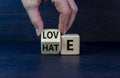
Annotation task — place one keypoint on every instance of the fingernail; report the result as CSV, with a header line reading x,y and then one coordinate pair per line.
x,y
38,31
64,32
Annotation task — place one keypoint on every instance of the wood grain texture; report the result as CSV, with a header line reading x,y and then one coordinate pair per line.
x,y
50,41
23,60
70,44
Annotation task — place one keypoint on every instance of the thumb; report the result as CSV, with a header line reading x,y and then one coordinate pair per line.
x,y
36,19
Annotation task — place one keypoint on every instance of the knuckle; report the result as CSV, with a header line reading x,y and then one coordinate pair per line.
x,y
75,9
54,1
31,4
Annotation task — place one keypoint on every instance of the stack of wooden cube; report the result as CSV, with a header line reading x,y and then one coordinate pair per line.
x,y
52,42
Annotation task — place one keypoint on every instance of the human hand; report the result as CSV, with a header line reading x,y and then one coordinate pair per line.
x,y
66,8
32,8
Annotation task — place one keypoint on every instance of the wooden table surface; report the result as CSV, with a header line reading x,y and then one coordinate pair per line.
x,y
23,60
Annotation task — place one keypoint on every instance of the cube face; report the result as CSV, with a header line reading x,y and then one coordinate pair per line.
x,y
70,44
50,48
50,35
50,41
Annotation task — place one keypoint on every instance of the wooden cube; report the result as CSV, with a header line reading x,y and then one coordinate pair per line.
x,y
50,41
70,44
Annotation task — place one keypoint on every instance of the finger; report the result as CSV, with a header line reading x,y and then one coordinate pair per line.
x,y
64,10
31,7
31,3
74,10
36,20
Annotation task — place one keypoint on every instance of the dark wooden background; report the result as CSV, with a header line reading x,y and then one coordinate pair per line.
x,y
96,21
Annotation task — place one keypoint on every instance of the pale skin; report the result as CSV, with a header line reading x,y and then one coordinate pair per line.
x,y
67,9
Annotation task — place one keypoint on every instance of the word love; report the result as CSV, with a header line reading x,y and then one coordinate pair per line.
x,y
50,35
53,43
